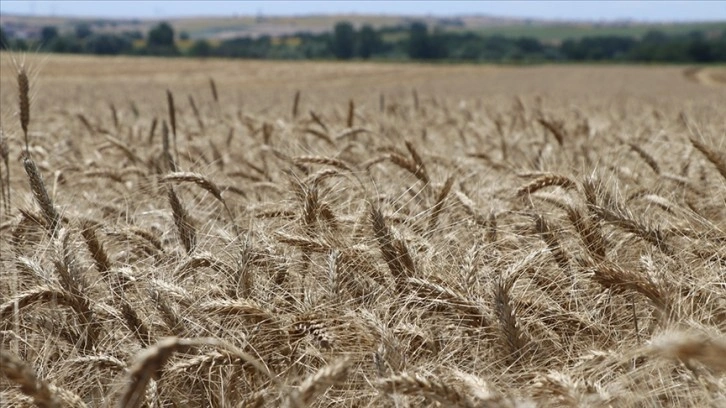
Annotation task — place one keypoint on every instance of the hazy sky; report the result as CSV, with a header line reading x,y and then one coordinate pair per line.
x,y
642,10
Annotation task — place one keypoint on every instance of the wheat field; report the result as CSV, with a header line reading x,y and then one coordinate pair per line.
x,y
186,233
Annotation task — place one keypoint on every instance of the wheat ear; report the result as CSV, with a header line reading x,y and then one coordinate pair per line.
x,y
351,113
295,104
52,218
24,102
44,395
512,335
213,87
150,362
713,156
184,225
394,252
312,386
689,347
439,206
434,388
206,184
546,181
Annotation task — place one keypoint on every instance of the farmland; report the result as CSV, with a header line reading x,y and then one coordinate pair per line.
x,y
180,232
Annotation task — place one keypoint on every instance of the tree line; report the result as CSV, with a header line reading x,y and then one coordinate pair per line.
x,y
412,42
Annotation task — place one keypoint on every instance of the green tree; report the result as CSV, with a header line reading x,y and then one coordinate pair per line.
x,y
718,47
48,34
107,44
83,31
160,41
20,45
3,39
161,36
655,37
571,50
529,45
200,48
369,42
700,51
65,44
418,41
133,35
343,40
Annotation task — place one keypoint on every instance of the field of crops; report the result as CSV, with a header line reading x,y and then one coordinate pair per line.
x,y
188,233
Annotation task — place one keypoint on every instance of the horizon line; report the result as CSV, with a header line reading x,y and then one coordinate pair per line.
x,y
380,14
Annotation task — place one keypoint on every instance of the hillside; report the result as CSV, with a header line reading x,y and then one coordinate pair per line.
x,y
255,26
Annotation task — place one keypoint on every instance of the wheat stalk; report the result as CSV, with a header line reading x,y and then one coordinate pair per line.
x,y
5,178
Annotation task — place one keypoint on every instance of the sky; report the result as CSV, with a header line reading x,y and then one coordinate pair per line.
x,y
638,10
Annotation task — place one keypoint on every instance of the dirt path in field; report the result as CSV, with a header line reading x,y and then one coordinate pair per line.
x,y
706,76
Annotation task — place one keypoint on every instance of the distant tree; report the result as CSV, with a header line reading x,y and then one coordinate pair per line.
x,y
439,44
133,35
3,39
200,48
496,48
20,45
48,34
418,41
369,42
599,48
65,44
343,40
655,37
315,46
700,51
160,41
184,36
83,31
718,47
571,50
161,35
470,51
107,44
529,45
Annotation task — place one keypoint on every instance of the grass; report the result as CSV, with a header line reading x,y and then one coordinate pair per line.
x,y
251,233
